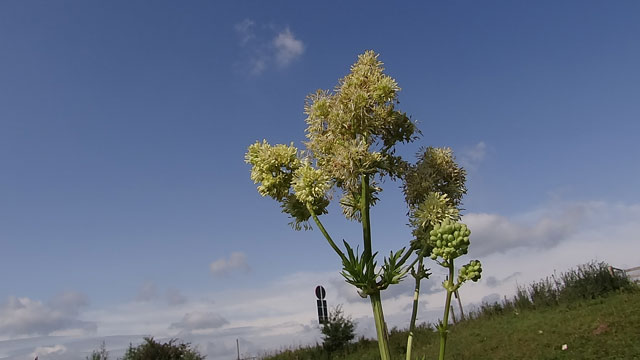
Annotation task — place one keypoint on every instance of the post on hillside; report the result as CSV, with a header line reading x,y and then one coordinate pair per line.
x,y
321,303
459,305
238,348
632,273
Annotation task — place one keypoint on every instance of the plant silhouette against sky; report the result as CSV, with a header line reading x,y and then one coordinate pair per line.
x,y
351,136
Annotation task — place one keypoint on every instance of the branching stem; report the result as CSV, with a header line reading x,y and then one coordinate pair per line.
x,y
414,312
326,234
445,320
381,326
405,257
366,221
376,303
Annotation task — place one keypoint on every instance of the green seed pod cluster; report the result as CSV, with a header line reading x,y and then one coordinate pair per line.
x,y
449,240
471,271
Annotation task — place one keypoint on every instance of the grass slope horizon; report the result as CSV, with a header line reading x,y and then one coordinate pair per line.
x,y
592,312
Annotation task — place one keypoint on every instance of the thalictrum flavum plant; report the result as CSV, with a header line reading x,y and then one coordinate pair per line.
x,y
352,133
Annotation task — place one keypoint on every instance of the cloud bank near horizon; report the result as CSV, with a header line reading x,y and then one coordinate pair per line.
x,y
517,249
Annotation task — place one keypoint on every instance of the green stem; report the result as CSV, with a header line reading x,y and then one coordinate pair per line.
x,y
381,326
366,221
408,268
414,312
445,320
326,234
405,257
376,303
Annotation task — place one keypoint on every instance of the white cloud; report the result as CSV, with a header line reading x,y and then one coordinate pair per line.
x,y
23,316
495,233
471,158
244,29
263,47
287,47
69,301
236,261
49,350
200,321
282,312
542,228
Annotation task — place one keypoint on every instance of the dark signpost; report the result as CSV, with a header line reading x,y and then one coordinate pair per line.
x,y
323,316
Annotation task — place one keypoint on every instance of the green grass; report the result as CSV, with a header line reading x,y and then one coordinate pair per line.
x,y
595,314
602,328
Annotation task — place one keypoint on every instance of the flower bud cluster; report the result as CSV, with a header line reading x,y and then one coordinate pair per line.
x,y
273,168
310,185
471,271
449,240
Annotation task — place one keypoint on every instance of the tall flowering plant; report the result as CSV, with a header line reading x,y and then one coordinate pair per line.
x,y
351,134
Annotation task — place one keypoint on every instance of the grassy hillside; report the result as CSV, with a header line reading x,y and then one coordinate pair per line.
x,y
605,328
592,322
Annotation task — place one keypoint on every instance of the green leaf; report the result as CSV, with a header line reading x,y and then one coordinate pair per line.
x,y
355,270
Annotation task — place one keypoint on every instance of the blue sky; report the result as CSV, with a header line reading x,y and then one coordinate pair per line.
x,y
123,128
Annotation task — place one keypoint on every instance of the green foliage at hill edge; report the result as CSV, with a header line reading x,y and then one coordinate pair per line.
x,y
595,314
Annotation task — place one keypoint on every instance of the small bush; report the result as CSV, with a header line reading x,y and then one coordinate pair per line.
x,y
153,350
338,331
590,281
521,299
544,293
100,354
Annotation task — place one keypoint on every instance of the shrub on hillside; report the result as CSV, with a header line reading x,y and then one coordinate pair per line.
x,y
153,350
590,281
100,354
338,331
587,281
